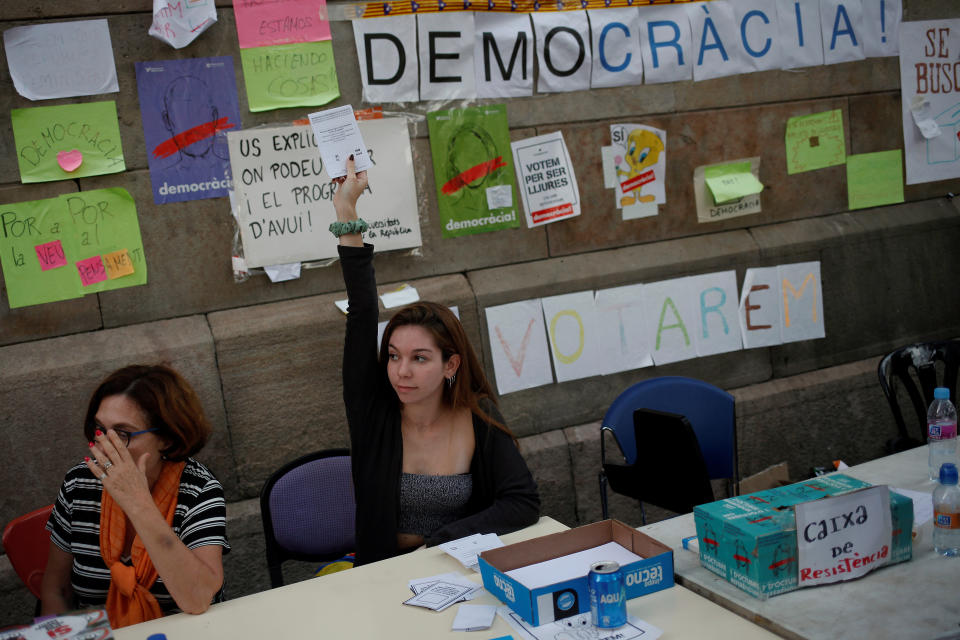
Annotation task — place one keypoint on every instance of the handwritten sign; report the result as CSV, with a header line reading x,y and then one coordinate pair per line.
x,y
179,22
86,226
284,195
118,264
261,23
50,254
548,186
91,271
815,141
928,75
844,537
40,133
733,181
708,210
290,75
61,59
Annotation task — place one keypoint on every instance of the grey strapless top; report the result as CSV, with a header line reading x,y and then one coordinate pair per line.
x,y
430,502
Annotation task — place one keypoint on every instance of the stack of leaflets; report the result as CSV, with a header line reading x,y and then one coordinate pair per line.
x,y
440,591
466,550
73,625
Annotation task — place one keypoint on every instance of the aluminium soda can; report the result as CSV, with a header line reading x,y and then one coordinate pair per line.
x,y
608,595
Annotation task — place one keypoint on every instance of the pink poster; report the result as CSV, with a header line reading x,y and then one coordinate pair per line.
x,y
261,23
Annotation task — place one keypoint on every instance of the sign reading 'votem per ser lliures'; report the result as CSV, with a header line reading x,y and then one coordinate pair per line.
x,y
284,196
548,186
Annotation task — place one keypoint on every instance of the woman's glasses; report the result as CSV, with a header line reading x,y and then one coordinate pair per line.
x,y
126,435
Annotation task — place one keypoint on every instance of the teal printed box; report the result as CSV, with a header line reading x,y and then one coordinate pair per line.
x,y
751,540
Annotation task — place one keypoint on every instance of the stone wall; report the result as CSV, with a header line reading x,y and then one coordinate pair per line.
x,y
265,357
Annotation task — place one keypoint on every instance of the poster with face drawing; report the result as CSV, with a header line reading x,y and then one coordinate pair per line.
x,y
640,162
183,104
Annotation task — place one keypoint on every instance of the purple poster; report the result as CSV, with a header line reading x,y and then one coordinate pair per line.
x,y
184,103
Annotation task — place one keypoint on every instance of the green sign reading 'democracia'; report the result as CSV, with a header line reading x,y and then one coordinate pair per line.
x,y
473,168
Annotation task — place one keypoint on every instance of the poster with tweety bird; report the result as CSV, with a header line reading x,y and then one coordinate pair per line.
x,y
640,160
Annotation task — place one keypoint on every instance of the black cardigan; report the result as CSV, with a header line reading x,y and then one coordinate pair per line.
x,y
504,496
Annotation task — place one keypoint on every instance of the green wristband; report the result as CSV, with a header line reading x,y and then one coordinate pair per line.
x,y
345,228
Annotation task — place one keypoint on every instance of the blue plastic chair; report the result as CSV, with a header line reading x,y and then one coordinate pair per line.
x,y
710,410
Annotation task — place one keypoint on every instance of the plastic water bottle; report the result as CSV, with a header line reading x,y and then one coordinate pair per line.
x,y
946,513
941,431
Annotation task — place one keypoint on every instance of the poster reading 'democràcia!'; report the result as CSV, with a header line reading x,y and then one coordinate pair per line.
x,y
473,167
183,104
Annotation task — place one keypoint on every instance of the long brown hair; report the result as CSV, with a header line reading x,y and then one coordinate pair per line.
x,y
168,402
470,388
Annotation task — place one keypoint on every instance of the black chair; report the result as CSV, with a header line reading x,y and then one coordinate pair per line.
x,y
308,510
656,444
904,368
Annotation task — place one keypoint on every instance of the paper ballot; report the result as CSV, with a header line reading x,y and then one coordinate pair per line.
x,y
338,136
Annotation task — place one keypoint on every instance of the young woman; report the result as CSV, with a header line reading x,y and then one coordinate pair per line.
x,y
432,458
139,527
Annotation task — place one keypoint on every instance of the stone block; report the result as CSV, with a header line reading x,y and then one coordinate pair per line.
x,y
45,387
694,139
280,371
548,458
813,418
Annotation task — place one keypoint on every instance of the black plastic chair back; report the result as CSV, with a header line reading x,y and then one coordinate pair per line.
x,y
914,369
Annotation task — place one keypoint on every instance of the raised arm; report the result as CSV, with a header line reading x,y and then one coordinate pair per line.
x,y
360,372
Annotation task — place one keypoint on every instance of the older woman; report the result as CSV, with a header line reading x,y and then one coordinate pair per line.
x,y
432,457
139,527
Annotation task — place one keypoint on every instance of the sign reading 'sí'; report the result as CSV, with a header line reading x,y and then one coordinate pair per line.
x,y
443,52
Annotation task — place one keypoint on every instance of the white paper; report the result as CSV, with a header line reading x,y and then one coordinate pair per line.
x,y
474,617
760,305
342,305
283,272
923,117
548,186
571,566
617,59
800,42
760,36
563,51
178,23
623,342
439,596
503,55
670,318
640,210
922,505
61,59
640,159
518,344
448,74
574,333
802,313
579,627
387,51
609,167
938,157
843,537
338,137
881,28
718,329
845,42
404,294
665,44
465,550
284,195
499,196
419,585
716,40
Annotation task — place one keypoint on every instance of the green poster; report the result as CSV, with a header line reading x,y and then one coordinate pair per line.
x,y
875,179
728,182
302,74
815,141
67,141
42,242
473,167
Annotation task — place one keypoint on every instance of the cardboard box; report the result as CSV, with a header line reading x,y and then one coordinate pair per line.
x,y
570,597
751,540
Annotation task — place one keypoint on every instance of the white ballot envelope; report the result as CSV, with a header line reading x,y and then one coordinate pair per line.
x,y
338,136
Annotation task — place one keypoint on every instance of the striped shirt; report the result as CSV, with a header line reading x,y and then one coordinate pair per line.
x,y
199,520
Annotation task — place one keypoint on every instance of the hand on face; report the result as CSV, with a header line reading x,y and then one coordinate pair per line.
x,y
121,475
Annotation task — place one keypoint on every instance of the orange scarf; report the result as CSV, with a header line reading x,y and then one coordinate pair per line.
x,y
129,600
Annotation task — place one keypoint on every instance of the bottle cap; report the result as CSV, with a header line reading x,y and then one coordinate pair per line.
x,y
948,473
941,393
